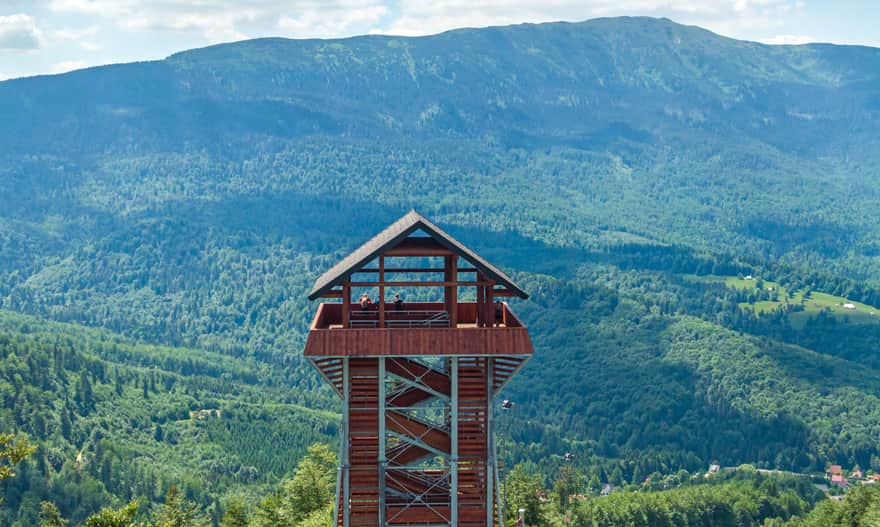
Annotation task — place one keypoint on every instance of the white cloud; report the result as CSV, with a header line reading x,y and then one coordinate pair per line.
x,y
223,20
341,20
216,27
789,39
19,32
214,20
85,37
75,33
93,7
68,65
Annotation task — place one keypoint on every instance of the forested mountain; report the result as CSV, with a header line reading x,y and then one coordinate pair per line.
x,y
115,420
630,173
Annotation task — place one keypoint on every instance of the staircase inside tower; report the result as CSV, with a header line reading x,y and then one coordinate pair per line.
x,y
417,473
418,444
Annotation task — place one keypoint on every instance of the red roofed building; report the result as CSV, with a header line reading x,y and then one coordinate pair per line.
x,y
835,470
838,480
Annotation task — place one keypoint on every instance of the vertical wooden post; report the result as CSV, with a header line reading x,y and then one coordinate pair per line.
x,y
453,440
490,452
346,438
481,301
346,302
381,301
383,461
453,310
490,304
447,277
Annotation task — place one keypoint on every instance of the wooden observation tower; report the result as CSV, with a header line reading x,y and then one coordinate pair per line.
x,y
417,378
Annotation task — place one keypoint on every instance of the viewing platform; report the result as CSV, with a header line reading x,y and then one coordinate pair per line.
x,y
420,328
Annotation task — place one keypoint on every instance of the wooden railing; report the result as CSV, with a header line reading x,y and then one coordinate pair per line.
x,y
411,315
398,318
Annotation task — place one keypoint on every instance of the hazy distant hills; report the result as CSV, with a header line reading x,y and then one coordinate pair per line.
x,y
635,124
583,84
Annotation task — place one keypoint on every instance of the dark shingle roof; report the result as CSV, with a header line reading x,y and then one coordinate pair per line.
x,y
393,235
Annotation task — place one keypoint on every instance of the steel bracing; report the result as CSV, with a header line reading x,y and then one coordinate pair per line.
x,y
417,445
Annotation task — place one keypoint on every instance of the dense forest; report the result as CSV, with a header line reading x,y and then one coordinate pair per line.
x,y
740,497
691,215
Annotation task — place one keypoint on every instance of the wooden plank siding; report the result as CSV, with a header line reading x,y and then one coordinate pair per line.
x,y
363,423
373,342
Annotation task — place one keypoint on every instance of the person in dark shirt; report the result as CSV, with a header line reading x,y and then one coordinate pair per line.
x,y
398,303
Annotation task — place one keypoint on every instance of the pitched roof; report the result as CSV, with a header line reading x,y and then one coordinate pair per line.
x,y
393,235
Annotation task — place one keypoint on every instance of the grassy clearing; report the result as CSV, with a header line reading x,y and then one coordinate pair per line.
x,y
854,313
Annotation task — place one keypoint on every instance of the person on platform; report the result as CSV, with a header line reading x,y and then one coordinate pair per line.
x,y
365,301
499,313
398,303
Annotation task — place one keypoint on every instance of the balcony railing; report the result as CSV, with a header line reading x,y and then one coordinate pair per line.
x,y
399,318
410,315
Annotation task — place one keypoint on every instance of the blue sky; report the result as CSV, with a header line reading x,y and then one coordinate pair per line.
x,y
54,36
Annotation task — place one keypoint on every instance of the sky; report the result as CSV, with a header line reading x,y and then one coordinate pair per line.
x,y
55,36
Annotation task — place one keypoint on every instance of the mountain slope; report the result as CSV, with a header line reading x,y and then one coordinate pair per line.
x,y
116,420
635,124
565,81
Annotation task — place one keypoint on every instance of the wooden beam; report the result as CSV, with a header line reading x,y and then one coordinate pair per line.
x,y
412,270
404,251
381,294
417,284
453,302
418,247
490,304
447,298
481,303
346,302
331,294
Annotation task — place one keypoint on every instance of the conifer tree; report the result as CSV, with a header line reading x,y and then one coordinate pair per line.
x,y
12,452
235,514
109,517
522,491
177,511
117,382
50,516
66,424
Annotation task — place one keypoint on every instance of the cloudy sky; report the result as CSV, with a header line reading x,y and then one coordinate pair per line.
x,y
54,36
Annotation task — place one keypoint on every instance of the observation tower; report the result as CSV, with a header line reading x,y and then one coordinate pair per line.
x,y
417,378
